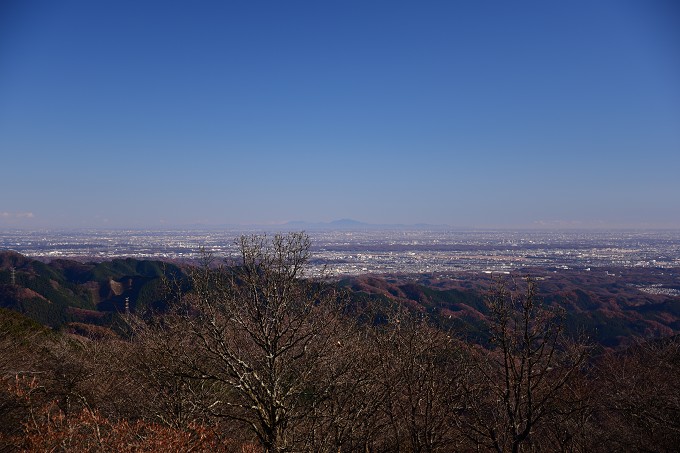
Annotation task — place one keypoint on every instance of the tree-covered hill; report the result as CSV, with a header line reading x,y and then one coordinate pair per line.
x,y
64,291
612,306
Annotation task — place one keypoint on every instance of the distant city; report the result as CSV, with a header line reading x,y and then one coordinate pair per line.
x,y
345,252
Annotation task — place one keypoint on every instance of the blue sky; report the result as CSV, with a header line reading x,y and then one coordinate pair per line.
x,y
473,114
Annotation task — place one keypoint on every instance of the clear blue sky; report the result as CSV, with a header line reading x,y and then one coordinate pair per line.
x,y
469,113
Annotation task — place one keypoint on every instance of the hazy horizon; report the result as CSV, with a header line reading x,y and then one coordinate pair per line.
x,y
475,115
298,225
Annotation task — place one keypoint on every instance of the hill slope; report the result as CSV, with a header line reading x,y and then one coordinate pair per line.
x,y
611,305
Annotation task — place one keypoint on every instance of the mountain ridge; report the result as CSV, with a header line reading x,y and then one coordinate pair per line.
x,y
613,309
352,224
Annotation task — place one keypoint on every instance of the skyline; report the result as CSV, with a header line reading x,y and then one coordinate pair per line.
x,y
120,114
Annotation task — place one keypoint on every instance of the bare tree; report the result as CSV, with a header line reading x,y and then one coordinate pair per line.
x,y
264,336
152,361
346,418
420,368
526,377
638,395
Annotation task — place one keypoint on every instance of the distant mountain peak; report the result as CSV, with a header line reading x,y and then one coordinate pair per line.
x,y
347,222
350,224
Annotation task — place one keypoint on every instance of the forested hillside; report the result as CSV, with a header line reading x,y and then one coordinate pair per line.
x,y
62,293
612,306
